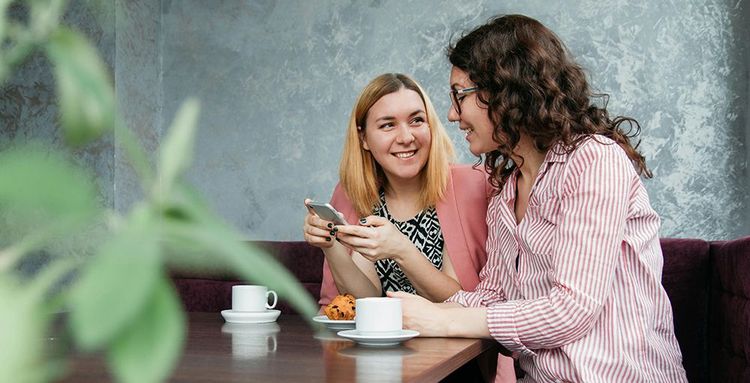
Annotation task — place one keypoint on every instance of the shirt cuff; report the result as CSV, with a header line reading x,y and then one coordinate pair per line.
x,y
502,326
466,298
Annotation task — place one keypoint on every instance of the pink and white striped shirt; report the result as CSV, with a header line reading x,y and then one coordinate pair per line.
x,y
585,303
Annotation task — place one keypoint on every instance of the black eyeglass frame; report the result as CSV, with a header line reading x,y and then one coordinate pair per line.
x,y
458,95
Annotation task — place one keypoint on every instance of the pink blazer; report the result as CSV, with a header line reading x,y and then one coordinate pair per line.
x,y
462,215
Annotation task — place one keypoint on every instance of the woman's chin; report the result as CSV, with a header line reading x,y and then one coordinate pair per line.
x,y
476,149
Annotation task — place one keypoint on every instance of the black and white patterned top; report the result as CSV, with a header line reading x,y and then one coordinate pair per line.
x,y
424,232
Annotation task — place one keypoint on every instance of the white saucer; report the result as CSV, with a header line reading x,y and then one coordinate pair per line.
x,y
335,324
378,340
250,316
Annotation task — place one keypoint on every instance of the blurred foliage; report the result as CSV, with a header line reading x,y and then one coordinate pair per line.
x,y
121,301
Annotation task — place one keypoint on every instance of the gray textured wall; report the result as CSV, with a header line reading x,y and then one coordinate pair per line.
x,y
277,80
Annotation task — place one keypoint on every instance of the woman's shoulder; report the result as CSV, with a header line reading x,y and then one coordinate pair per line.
x,y
468,183
597,147
460,172
596,153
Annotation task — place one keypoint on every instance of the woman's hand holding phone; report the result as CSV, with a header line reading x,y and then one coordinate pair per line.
x,y
375,238
317,231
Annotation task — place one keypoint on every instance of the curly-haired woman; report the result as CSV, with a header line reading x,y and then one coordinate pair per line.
x,y
572,285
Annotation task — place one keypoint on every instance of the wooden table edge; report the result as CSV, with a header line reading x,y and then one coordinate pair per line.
x,y
475,350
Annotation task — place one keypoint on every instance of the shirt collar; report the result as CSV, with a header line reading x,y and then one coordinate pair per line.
x,y
556,154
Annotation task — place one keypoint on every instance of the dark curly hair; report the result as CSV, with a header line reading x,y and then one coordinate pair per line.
x,y
531,85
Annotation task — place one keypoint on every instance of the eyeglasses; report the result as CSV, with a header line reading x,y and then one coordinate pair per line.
x,y
458,95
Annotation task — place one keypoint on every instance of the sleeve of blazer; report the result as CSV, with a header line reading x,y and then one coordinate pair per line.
x,y
463,219
340,202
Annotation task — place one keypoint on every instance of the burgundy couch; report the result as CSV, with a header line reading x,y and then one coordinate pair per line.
x,y
708,284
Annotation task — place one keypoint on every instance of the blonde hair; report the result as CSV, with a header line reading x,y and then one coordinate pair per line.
x,y
362,177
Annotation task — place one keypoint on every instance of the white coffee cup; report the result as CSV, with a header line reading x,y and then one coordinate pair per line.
x,y
249,298
378,315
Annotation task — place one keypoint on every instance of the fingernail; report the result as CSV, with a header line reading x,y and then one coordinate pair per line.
x,y
333,233
329,239
363,221
330,225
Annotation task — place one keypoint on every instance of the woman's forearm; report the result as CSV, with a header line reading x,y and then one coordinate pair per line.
x,y
466,322
429,282
347,276
442,319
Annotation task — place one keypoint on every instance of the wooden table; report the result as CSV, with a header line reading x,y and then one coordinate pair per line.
x,y
291,350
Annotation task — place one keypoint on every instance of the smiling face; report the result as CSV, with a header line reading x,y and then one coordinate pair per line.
x,y
474,120
397,135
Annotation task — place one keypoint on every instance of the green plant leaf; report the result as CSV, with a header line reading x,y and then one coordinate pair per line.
x,y
117,283
44,196
198,228
177,148
149,348
22,323
25,313
84,90
34,181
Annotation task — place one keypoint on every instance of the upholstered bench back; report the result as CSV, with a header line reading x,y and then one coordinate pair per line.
x,y
729,311
709,286
686,279
212,292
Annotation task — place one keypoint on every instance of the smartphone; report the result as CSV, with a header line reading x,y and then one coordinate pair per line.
x,y
327,212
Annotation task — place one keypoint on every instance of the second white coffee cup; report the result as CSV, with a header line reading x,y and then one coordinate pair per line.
x,y
378,315
252,298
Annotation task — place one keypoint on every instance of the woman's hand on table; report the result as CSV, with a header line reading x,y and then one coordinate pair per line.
x,y
448,319
375,238
422,315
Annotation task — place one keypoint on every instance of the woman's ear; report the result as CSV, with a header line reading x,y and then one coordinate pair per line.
x,y
362,138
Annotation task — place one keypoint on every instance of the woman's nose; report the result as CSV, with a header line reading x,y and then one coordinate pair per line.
x,y
404,134
453,115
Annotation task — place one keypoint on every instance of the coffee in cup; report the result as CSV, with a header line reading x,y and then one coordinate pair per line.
x,y
252,298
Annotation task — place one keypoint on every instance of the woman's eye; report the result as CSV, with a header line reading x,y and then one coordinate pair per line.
x,y
460,98
417,121
387,125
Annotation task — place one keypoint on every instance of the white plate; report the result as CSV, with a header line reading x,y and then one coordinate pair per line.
x,y
335,324
250,316
378,340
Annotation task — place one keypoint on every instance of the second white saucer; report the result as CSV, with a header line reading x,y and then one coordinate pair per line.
x,y
250,316
334,324
378,340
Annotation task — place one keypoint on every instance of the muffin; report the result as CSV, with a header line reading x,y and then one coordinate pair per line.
x,y
341,308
